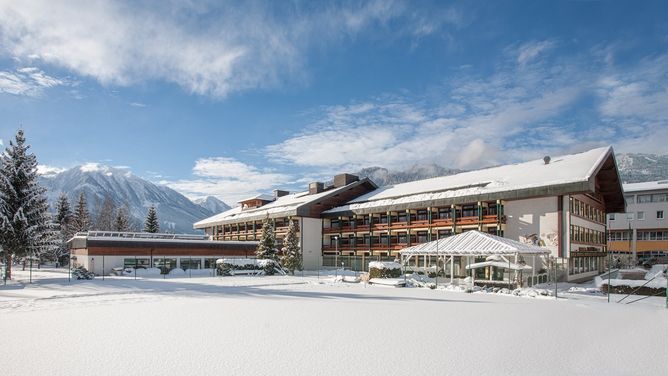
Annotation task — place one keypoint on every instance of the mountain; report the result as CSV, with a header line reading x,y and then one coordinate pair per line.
x,y
212,204
383,176
175,212
639,167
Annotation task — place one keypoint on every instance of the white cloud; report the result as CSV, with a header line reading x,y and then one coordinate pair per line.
x,y
532,50
227,179
474,120
48,171
28,81
519,112
137,104
633,101
247,45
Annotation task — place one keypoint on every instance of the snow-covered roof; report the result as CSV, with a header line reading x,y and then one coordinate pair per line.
x,y
474,243
563,174
288,205
261,196
647,186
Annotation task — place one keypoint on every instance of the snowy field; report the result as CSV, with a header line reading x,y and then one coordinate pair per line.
x,y
314,326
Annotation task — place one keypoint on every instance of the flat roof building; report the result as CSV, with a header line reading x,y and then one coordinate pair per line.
x,y
102,251
641,232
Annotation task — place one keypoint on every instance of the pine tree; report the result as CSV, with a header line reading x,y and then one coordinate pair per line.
x,y
63,213
63,221
105,218
292,256
25,220
81,220
122,222
267,247
151,224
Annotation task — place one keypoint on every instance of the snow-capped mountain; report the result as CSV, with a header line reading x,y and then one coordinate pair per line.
x,y
639,167
175,211
212,204
382,176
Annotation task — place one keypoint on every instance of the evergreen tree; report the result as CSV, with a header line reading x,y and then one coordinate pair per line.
x,y
122,221
26,223
63,213
63,221
267,247
105,218
151,224
292,256
81,220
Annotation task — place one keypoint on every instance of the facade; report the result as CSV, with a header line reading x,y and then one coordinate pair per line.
x,y
641,232
244,222
100,251
559,203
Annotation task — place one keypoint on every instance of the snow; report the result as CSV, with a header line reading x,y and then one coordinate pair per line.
x,y
561,170
474,243
316,326
283,206
384,265
646,186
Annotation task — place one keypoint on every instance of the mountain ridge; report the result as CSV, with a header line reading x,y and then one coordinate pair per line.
x,y
175,211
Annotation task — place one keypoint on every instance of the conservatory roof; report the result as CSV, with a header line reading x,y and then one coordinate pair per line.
x,y
474,243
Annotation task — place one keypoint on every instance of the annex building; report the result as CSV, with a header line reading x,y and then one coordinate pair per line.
x,y
559,203
641,232
102,251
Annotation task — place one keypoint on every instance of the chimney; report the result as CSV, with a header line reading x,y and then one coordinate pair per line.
x,y
280,193
341,180
546,159
315,187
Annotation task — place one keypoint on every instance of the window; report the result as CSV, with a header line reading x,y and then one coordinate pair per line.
x,y
644,199
629,216
641,215
629,199
659,214
612,216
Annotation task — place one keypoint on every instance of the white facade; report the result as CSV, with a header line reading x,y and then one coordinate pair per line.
x,y
533,217
311,242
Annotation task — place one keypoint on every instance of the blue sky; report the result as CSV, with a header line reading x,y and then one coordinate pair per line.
x,y
233,98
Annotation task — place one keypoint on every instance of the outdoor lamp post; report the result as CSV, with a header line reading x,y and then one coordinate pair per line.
x,y
73,258
336,255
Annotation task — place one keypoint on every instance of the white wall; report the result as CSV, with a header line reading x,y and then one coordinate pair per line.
x,y
533,216
311,237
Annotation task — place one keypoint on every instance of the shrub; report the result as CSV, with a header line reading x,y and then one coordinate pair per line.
x,y
379,269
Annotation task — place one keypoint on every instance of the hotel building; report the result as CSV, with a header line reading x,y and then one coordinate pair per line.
x,y
244,222
641,232
558,202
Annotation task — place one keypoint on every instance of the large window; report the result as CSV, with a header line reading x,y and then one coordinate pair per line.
x,y
190,263
167,263
139,262
586,235
584,210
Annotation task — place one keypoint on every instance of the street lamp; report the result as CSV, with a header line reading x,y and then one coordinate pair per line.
x,y
336,256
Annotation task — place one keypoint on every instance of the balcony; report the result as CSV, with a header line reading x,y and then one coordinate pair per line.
x,y
441,222
420,223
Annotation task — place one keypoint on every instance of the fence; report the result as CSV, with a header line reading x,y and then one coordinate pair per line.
x,y
354,263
